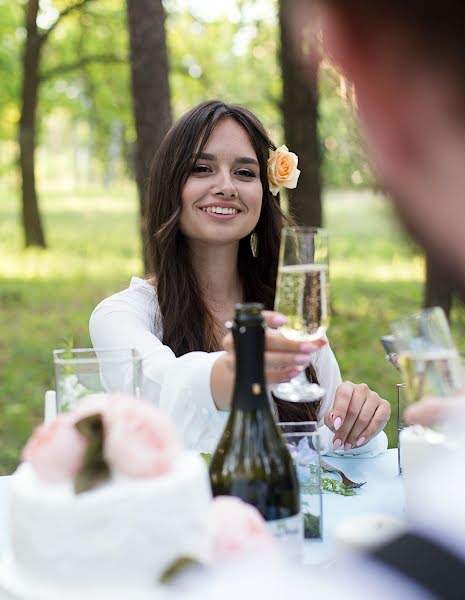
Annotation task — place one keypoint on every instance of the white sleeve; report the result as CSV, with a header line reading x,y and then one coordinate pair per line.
x,y
179,386
329,377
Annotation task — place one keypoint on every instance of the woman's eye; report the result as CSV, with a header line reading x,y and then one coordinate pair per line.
x,y
200,169
245,173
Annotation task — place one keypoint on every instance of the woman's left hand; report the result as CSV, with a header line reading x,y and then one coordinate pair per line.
x,y
357,415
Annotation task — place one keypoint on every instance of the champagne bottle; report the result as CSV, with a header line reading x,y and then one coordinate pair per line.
x,y
251,460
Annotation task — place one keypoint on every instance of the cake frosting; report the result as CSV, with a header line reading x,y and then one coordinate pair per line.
x,y
115,537
120,536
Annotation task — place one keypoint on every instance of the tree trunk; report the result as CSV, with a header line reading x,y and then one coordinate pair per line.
x,y
438,287
150,89
300,116
33,231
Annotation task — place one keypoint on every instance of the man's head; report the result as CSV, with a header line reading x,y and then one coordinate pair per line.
x,y
406,61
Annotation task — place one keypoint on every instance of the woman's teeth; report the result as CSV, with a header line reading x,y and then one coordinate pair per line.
x,y
220,210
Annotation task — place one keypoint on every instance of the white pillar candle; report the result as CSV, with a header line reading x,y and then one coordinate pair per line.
x,y
422,452
366,532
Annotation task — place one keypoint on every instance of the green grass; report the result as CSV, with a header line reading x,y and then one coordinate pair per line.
x,y
46,297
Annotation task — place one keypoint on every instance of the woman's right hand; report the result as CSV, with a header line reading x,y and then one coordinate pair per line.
x,y
284,358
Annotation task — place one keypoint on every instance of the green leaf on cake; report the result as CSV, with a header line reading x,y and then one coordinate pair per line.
x,y
94,469
177,568
206,457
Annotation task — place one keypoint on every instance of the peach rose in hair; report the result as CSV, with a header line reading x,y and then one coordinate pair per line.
x,y
55,450
282,169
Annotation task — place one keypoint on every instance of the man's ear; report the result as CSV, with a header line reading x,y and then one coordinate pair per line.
x,y
383,103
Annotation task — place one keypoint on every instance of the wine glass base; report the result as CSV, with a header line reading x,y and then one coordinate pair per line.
x,y
296,391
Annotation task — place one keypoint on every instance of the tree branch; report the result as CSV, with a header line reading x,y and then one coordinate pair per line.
x,y
82,62
64,13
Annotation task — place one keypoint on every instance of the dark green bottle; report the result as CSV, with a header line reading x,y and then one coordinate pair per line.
x,y
251,460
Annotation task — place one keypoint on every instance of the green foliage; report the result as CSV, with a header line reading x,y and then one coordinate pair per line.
x,y
232,57
333,486
311,526
94,470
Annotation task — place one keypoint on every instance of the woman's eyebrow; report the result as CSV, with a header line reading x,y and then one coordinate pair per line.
x,y
206,156
246,160
242,160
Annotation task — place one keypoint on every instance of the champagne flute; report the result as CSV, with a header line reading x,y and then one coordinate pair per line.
x,y
302,295
428,358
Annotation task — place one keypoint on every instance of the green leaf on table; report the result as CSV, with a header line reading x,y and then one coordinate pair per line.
x,y
336,487
94,469
177,568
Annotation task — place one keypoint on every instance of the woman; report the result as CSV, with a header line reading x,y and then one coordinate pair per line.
x,y
209,194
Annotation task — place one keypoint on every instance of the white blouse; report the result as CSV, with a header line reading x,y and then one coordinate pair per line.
x,y
181,386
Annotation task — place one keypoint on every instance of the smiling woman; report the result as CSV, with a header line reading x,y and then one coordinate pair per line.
x,y
213,235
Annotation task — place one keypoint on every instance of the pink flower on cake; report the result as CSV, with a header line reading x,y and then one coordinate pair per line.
x,y
237,528
55,450
282,169
139,440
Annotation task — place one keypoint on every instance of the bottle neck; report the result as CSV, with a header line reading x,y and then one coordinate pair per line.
x,y
249,389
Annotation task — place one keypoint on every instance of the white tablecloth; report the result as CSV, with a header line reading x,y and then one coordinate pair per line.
x,y
381,494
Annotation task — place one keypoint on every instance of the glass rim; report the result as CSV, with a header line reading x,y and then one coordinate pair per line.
x,y
133,353
305,229
417,315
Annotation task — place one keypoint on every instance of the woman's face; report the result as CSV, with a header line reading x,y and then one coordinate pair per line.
x,y
222,197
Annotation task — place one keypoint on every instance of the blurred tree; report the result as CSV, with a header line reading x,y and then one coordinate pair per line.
x,y
438,286
300,116
36,38
150,88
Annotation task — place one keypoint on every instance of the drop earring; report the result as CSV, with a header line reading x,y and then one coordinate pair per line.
x,y
254,244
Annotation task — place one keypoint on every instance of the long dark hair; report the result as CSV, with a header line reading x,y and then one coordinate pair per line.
x,y
188,324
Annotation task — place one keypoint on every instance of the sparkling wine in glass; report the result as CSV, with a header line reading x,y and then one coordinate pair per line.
x,y
428,358
302,295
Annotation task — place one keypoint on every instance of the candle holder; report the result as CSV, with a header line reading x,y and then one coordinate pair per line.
x,y
81,372
303,441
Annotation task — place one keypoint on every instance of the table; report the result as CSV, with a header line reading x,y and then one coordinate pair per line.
x,y
383,493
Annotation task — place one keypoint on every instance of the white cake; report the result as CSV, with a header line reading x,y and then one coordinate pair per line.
x,y
111,542
106,501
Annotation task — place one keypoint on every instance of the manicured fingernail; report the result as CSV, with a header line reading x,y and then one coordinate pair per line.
x,y
306,347
347,447
337,444
337,423
279,320
360,441
302,359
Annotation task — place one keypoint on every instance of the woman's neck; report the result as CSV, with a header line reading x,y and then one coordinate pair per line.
x,y
216,271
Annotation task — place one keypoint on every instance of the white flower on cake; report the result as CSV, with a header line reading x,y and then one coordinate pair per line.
x,y
282,169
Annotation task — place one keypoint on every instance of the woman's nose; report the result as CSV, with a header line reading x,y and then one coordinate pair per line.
x,y
224,185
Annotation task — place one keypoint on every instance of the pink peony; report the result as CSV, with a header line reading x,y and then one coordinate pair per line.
x,y
139,440
238,528
55,450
